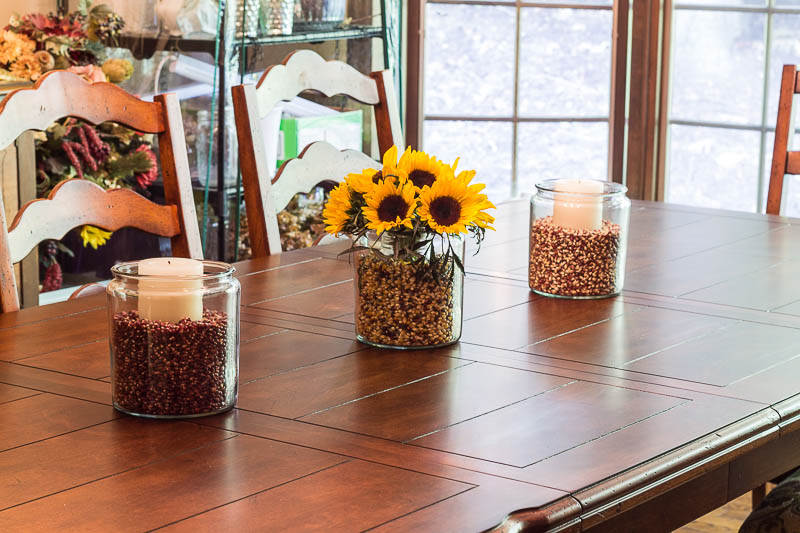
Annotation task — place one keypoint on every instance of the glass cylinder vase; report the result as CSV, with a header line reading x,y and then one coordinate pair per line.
x,y
174,340
409,300
578,238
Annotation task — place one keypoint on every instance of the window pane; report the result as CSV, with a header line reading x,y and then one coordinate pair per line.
x,y
791,202
785,51
718,66
549,150
565,62
483,146
713,167
469,60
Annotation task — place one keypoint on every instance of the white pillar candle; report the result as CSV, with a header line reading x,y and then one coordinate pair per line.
x,y
162,297
575,211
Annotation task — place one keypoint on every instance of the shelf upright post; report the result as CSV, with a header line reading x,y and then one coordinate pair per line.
x,y
385,36
222,204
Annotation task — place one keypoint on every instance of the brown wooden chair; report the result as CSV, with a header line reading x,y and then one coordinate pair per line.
x,y
783,161
303,70
76,202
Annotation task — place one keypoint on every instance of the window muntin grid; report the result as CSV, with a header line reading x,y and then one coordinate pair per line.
x,y
518,122
764,110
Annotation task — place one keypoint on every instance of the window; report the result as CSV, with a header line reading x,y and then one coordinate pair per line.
x,y
727,57
519,90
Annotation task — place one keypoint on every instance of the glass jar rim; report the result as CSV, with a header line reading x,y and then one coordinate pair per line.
x,y
219,269
610,188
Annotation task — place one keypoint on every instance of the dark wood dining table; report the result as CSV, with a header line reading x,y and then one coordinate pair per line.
x,y
638,412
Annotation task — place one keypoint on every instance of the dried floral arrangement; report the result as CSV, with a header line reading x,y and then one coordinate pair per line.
x,y
300,223
109,155
34,43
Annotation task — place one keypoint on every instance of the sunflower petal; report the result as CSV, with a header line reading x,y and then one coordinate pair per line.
x,y
390,157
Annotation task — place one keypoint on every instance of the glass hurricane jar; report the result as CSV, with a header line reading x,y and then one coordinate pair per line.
x,y
408,301
174,340
578,238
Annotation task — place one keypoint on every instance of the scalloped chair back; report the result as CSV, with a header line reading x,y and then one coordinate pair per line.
x,y
319,162
73,203
783,161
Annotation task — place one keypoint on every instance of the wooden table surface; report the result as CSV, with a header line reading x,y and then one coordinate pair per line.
x,y
634,413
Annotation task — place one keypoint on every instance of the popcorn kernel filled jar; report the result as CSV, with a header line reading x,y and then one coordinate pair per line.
x,y
174,337
578,238
408,302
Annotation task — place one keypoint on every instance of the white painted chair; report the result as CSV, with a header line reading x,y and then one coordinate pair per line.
x,y
319,162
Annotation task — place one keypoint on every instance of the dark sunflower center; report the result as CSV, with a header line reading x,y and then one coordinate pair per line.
x,y
392,207
445,210
421,178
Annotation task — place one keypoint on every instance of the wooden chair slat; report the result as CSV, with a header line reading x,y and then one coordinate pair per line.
x,y
177,178
320,162
387,112
793,163
258,199
9,299
60,94
53,217
783,161
86,290
305,70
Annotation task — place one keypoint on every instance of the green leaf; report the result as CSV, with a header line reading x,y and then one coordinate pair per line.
x,y
84,6
127,166
421,244
63,248
458,262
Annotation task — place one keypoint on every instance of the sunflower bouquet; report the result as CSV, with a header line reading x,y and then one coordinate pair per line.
x,y
407,220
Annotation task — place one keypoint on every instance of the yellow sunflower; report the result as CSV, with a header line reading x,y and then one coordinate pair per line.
x,y
94,236
484,219
450,205
336,215
389,205
370,177
390,157
361,183
422,169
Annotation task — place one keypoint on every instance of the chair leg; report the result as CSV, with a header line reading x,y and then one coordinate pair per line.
x,y
758,494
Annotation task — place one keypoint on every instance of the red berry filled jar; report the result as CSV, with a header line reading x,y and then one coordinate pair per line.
x,y
174,337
